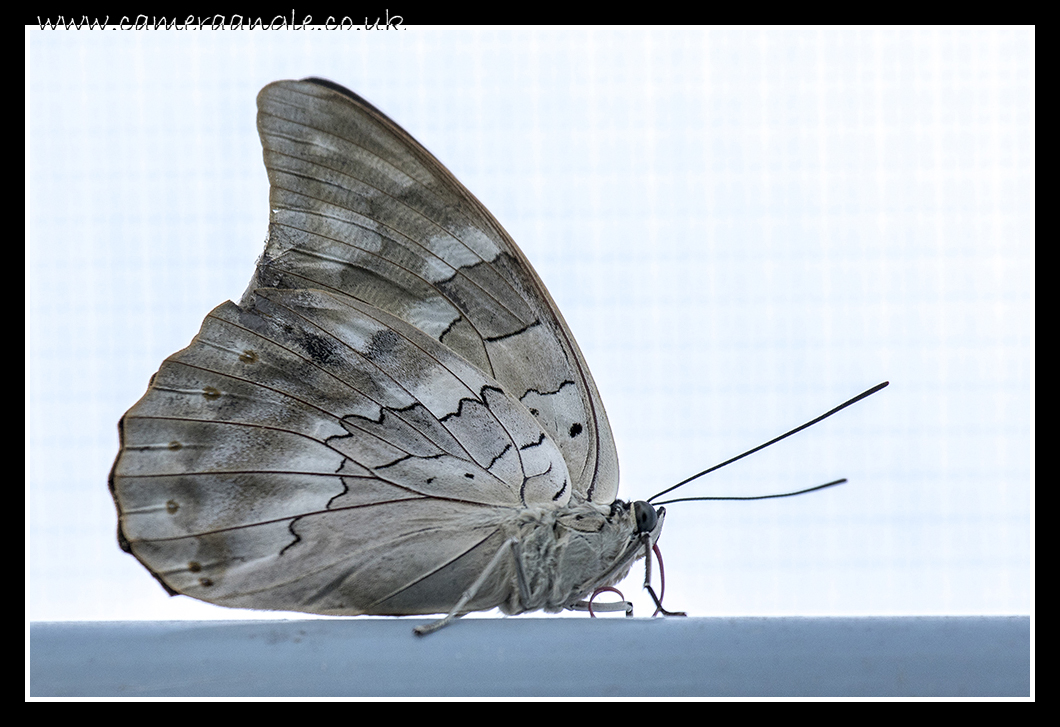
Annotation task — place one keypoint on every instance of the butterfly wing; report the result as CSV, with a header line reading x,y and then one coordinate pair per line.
x,y
310,452
393,387
361,209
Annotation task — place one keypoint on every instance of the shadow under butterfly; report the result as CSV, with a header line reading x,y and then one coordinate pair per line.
x,y
394,420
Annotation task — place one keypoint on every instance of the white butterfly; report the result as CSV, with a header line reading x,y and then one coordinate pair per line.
x,y
395,418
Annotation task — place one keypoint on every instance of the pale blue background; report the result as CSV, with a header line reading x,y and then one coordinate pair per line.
x,y
743,227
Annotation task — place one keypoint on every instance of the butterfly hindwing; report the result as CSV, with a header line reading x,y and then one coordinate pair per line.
x,y
300,444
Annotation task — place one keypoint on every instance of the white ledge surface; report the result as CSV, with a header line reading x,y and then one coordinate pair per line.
x,y
536,657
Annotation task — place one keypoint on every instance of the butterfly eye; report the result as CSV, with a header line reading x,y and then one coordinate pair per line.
x,y
646,517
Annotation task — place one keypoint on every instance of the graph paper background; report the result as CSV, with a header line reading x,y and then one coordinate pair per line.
x,y
743,228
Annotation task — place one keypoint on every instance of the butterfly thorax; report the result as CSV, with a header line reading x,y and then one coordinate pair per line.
x,y
567,553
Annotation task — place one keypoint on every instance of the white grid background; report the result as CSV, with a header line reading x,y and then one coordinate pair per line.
x,y
743,227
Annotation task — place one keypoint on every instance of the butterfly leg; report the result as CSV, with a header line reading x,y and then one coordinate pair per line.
x,y
622,605
507,548
662,580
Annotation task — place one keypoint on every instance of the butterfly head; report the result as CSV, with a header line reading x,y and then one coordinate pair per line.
x,y
640,520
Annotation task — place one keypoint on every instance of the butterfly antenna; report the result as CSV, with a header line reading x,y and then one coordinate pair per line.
x,y
827,414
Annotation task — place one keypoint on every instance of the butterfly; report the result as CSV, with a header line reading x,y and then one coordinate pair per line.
x,y
394,419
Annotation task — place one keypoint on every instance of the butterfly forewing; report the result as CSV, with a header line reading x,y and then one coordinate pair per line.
x,y
359,208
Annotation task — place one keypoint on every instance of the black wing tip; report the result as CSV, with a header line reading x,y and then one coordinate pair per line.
x,y
316,80
331,86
